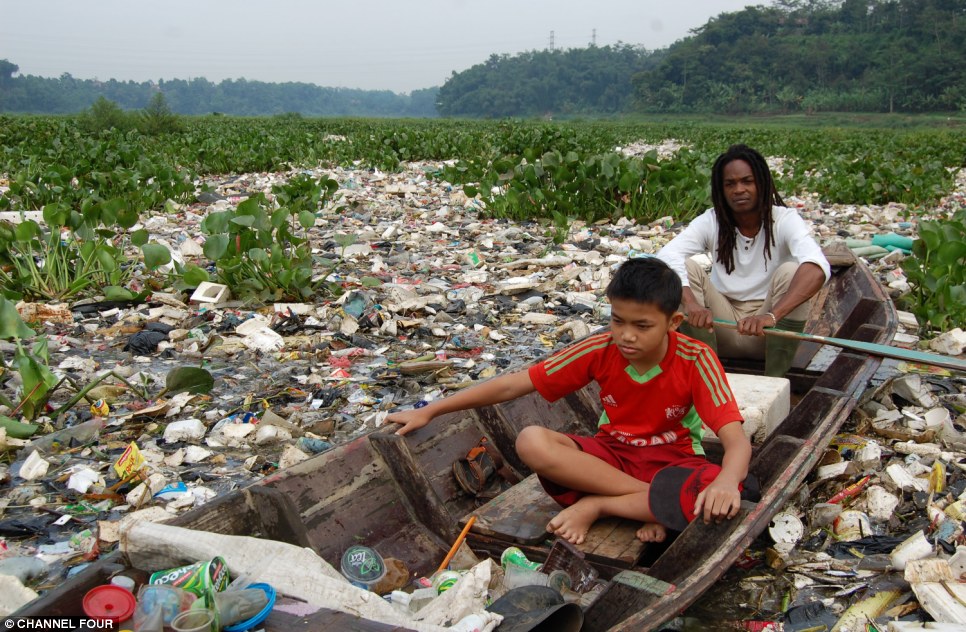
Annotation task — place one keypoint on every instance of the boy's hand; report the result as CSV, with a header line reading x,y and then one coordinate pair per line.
x,y
410,419
720,499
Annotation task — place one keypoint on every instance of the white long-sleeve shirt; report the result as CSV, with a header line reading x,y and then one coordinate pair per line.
x,y
749,280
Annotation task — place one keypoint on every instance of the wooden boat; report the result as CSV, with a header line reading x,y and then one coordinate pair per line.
x,y
398,494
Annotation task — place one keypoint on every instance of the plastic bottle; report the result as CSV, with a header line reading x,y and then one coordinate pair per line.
x,y
61,439
513,555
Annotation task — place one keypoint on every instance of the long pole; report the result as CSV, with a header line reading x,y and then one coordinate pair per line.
x,y
885,351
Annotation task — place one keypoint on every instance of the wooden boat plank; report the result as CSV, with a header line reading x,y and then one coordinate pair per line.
x,y
613,541
519,515
347,496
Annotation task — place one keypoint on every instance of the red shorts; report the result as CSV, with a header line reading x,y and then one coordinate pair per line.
x,y
640,462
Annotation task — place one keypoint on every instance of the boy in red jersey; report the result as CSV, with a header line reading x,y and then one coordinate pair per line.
x,y
656,387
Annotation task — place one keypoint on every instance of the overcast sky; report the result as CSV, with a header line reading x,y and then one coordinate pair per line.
x,y
397,45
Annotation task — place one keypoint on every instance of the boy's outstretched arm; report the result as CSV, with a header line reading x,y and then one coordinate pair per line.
x,y
492,391
722,498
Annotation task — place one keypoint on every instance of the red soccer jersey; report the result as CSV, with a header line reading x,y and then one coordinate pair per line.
x,y
666,405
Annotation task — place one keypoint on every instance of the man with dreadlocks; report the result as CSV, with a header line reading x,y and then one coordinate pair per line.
x,y
766,267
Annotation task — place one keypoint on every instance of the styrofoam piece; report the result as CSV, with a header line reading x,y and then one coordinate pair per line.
x,y
936,417
951,343
267,433
880,503
146,490
34,467
786,530
208,292
16,217
184,430
905,481
915,547
762,401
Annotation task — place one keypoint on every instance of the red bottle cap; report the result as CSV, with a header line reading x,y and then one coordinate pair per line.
x,y
109,602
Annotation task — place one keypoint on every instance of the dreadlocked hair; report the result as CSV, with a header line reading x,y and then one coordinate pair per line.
x,y
767,197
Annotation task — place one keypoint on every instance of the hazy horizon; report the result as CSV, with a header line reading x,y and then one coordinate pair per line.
x,y
377,46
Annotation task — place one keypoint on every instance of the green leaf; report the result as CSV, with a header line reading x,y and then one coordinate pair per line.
x,y
106,259
27,230
243,220
139,237
306,219
118,293
216,246
368,281
155,255
11,325
187,379
195,275
216,223
127,216
257,254
16,429
470,190
37,381
951,253
56,214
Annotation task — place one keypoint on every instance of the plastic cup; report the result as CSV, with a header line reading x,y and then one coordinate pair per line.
x,y
123,581
194,620
516,576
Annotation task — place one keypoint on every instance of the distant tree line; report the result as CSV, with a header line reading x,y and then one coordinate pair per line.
x,y
577,81
817,55
797,55
67,95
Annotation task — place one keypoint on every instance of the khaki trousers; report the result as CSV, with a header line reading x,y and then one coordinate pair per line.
x,y
730,343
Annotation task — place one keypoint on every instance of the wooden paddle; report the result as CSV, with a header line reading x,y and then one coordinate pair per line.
x,y
885,351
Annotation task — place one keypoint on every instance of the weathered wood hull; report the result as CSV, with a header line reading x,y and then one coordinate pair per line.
x,y
398,495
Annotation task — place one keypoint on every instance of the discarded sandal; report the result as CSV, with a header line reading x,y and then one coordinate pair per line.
x,y
482,473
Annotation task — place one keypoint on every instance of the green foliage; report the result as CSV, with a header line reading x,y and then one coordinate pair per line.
x,y
937,273
261,251
63,259
592,187
157,118
67,95
105,115
36,378
541,83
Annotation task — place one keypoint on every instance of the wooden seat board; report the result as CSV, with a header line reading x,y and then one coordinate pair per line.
x,y
520,515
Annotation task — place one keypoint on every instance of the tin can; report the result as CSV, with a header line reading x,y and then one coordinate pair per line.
x,y
100,408
513,555
445,580
200,578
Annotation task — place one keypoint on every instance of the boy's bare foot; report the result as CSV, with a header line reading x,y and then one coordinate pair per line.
x,y
651,532
574,521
